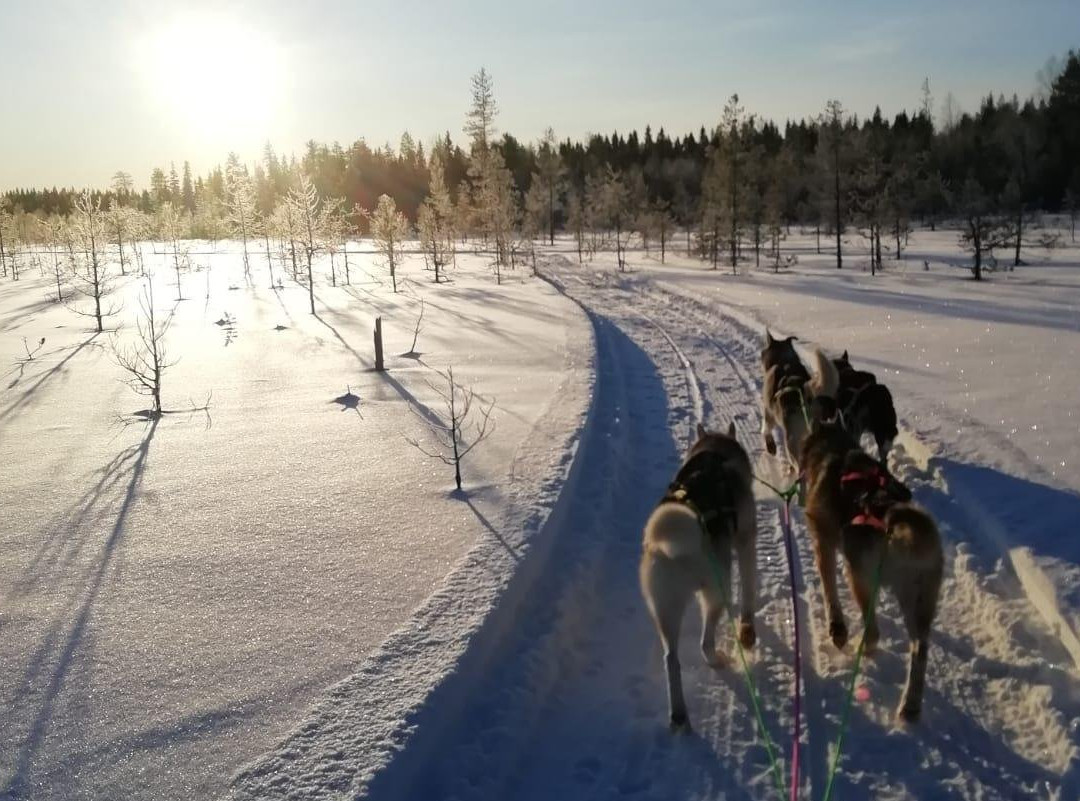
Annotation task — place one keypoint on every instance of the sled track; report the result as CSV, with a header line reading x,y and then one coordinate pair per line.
x,y
567,699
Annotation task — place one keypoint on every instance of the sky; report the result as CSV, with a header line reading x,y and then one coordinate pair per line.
x,y
91,88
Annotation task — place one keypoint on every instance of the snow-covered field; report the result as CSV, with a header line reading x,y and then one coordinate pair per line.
x,y
182,597
173,596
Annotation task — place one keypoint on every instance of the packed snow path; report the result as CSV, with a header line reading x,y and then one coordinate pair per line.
x,y
565,699
573,703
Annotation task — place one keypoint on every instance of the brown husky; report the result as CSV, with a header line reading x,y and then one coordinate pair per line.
x,y
707,512
854,502
789,393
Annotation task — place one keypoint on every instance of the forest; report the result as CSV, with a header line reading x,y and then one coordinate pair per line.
x,y
732,188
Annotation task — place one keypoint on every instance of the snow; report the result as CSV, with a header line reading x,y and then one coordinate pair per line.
x,y
507,654
172,596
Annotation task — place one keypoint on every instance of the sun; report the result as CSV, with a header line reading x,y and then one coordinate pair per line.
x,y
219,78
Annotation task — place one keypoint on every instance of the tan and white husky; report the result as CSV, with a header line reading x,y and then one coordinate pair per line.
x,y
707,513
790,394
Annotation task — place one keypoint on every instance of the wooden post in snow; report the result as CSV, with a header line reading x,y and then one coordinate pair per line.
x,y
378,345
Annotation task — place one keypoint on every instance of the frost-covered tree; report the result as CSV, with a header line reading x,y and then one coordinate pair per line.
x,y
389,228
335,229
468,423
576,219
617,211
171,224
91,277
56,232
435,220
284,224
120,220
310,217
663,225
728,164
243,213
6,235
208,220
480,122
549,176
534,218
493,184
831,146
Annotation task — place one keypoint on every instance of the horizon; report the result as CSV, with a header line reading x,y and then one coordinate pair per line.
x,y
134,109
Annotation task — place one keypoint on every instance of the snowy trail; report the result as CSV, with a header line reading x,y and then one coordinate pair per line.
x,y
561,693
572,704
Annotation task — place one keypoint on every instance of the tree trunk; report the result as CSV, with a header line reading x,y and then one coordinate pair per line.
x,y
817,231
877,245
839,229
1019,235
551,213
310,284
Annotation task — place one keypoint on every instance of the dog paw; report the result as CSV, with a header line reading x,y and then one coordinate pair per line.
x,y
908,715
838,633
747,634
679,723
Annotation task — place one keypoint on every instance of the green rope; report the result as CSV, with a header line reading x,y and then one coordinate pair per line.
x,y
854,677
755,700
784,495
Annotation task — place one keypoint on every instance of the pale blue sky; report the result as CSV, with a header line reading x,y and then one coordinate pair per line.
x,y
83,81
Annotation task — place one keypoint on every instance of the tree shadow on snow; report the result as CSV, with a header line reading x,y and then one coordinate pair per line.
x,y
62,647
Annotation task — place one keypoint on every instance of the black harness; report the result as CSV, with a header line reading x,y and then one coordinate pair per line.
x,y
700,486
866,481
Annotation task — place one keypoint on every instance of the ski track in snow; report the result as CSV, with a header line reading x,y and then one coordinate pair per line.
x,y
565,698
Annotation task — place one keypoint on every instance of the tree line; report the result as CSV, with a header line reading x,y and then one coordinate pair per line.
x,y
733,190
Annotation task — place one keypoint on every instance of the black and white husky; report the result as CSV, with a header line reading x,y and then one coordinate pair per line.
x,y
706,514
789,394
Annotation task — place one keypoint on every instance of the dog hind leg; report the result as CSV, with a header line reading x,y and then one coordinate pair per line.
x,y
825,556
747,548
918,608
712,606
667,610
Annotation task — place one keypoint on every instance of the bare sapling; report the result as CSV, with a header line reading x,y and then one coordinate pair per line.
x,y
468,423
145,360
417,328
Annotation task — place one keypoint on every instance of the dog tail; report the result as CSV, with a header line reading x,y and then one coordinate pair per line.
x,y
674,531
913,536
826,380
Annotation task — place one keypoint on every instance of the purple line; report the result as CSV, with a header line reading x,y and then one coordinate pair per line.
x,y
790,548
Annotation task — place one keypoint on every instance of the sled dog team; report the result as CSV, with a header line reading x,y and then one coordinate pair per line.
x,y
853,504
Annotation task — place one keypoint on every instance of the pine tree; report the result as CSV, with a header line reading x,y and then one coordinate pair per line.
x,y
549,174
832,140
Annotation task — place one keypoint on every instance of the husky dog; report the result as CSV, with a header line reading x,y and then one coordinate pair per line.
x,y
789,394
854,503
866,405
707,512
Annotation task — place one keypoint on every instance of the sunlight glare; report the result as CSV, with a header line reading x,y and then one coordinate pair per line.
x,y
220,78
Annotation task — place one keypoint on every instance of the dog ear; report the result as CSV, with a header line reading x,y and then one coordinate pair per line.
x,y
792,338
731,429
844,357
769,337
701,431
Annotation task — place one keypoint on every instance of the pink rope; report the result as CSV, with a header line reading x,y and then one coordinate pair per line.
x,y
789,545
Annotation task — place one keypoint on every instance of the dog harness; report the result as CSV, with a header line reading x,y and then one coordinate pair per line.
x,y
870,479
700,487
